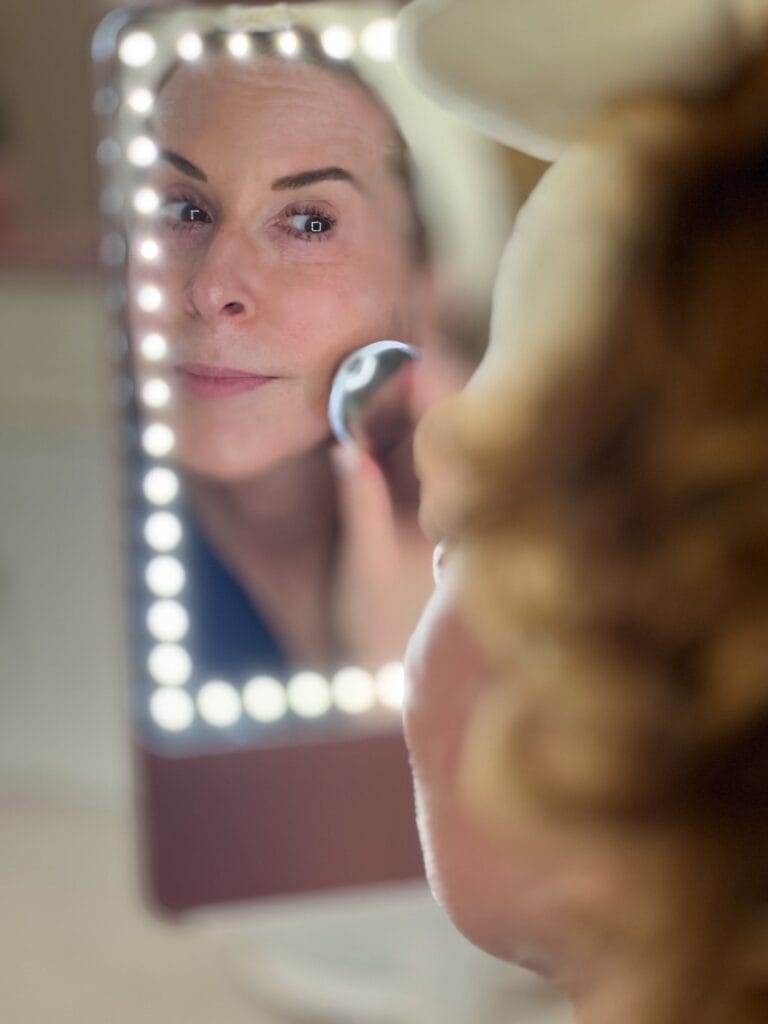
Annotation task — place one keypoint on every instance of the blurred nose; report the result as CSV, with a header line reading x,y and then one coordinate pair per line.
x,y
224,288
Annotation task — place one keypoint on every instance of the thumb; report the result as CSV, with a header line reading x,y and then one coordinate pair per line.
x,y
370,538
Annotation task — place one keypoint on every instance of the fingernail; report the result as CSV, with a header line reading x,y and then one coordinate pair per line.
x,y
346,459
438,561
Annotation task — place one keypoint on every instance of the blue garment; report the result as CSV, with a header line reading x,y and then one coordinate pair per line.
x,y
228,637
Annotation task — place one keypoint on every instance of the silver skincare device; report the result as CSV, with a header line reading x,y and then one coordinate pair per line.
x,y
370,405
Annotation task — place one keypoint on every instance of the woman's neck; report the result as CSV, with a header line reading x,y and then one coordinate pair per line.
x,y
277,535
286,510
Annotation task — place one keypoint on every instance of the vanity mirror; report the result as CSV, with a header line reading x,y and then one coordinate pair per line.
x,y
277,198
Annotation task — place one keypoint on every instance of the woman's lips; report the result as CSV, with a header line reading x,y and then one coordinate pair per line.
x,y
218,381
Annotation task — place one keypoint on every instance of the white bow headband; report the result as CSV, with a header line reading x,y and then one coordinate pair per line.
x,y
529,72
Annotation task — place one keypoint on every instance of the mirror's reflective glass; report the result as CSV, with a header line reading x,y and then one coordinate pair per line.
x,y
280,198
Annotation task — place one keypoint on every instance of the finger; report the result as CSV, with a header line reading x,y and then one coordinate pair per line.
x,y
368,518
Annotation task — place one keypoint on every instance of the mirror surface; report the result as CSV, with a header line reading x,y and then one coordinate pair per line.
x,y
284,200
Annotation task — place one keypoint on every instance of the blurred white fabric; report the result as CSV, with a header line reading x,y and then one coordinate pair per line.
x,y
530,73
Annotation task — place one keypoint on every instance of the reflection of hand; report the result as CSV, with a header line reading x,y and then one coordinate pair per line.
x,y
384,570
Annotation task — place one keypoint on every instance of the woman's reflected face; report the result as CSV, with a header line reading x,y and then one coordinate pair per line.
x,y
285,243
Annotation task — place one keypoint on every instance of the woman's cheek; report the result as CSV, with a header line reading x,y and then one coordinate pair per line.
x,y
446,673
324,317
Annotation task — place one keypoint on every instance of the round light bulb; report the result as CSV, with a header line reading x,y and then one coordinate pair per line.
x,y
170,665
288,43
161,486
163,531
173,710
309,695
165,576
149,298
137,49
190,46
167,621
354,691
239,45
338,42
379,39
156,393
142,151
141,101
390,683
146,201
149,250
219,704
154,347
158,440
265,699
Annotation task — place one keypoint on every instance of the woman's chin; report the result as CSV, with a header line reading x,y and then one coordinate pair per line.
x,y
507,941
236,463
498,904
225,468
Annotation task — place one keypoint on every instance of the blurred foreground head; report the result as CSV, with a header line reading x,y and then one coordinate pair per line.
x,y
603,484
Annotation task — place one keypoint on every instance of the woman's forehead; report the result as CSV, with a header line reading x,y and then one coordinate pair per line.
x,y
297,104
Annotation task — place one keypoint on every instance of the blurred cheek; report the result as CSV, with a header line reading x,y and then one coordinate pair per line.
x,y
489,888
446,675
445,672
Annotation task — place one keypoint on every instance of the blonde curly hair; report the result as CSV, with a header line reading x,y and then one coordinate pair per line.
x,y
605,481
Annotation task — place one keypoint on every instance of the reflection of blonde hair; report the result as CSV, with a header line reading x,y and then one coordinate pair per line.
x,y
612,517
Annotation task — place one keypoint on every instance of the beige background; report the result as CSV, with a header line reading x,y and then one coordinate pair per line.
x,y
45,84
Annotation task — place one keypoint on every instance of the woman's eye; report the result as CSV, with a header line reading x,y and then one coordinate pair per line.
x,y
310,225
184,213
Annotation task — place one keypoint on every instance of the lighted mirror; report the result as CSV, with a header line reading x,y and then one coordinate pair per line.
x,y
280,202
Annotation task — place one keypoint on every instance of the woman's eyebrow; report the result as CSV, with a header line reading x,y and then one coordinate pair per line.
x,y
183,165
304,178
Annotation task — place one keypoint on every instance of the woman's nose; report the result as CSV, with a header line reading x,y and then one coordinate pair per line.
x,y
225,285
